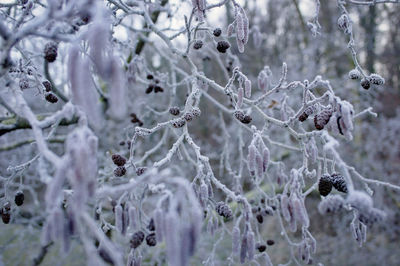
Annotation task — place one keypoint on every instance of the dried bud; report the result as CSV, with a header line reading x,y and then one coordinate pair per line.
x,y
118,160
246,119
260,218
19,198
196,112
338,182
322,118
47,85
217,32
120,171
50,52
354,74
158,89
151,240
137,239
270,242
149,76
174,110
365,84
51,98
198,44
325,185
188,116
223,210
222,46
376,79
239,115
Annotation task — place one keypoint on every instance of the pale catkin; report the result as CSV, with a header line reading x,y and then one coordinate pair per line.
x,y
240,45
267,259
132,217
243,249
229,30
250,245
251,158
247,88
285,207
159,223
119,224
266,157
239,26
203,194
236,240
300,212
259,166
245,26
239,98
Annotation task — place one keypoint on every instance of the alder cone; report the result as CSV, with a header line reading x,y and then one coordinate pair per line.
x,y
338,182
325,185
322,118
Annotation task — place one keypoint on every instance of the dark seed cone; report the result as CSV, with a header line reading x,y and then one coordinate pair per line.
x,y
140,170
338,182
217,32
50,52
118,160
197,45
322,118
325,185
120,171
137,239
365,84
149,76
222,46
151,225
47,85
158,89
174,110
307,112
19,198
51,98
150,88
223,210
6,217
151,240
179,123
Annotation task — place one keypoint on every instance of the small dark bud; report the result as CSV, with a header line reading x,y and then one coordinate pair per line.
x,y
149,76
354,74
198,44
217,32
307,112
51,98
270,242
19,198
246,119
196,112
151,225
122,143
365,84
150,88
222,46
50,52
118,160
239,115
260,218
174,110
158,89
151,240
7,206
47,85
120,171
261,247
137,239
